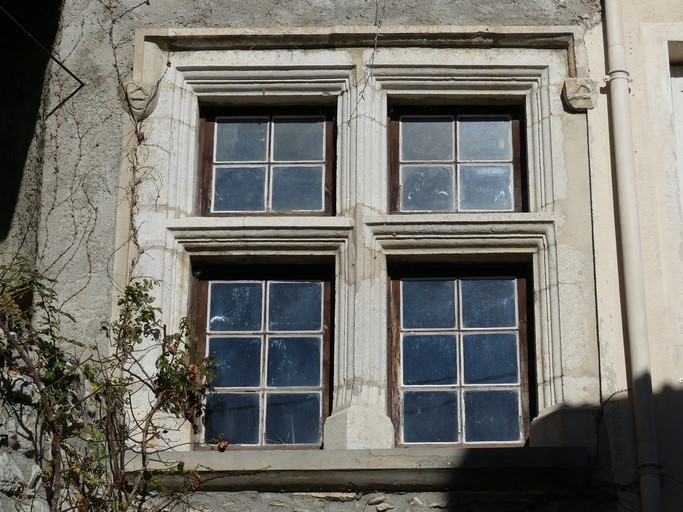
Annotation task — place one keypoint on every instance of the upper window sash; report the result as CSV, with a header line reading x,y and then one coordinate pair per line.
x,y
261,161
456,159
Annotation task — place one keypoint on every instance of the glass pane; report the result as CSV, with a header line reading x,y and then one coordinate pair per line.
x,y
492,416
428,304
426,138
238,361
430,417
235,415
295,306
235,306
427,188
489,303
429,359
486,187
239,189
294,361
297,188
241,140
298,139
490,358
484,138
293,418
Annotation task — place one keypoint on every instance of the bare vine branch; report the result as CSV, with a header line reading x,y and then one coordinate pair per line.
x,y
96,410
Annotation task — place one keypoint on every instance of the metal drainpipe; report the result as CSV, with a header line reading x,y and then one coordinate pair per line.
x,y
638,355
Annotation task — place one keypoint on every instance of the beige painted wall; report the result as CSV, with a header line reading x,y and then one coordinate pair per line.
x,y
648,27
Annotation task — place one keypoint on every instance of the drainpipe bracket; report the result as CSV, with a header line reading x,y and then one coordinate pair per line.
x,y
138,99
615,74
649,468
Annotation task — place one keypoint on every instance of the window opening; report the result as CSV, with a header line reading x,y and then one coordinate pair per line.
x,y
447,159
268,161
269,339
459,358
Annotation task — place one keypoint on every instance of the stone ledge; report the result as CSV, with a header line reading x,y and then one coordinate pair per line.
x,y
262,235
406,469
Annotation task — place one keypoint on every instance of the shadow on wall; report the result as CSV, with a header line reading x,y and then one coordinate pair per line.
x,y
593,469
21,90
579,458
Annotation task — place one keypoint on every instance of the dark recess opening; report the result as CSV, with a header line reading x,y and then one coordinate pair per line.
x,y
25,64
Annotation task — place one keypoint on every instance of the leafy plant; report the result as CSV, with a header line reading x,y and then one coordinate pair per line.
x,y
96,408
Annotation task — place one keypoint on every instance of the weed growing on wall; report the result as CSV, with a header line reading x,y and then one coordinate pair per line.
x,y
95,427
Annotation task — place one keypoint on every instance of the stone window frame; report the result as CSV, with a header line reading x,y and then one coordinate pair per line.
x,y
363,235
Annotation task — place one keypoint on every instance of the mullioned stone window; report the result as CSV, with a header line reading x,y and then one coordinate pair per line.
x,y
381,168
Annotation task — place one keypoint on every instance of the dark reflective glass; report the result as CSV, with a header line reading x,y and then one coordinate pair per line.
x,y
489,303
235,415
298,139
241,140
292,418
297,188
430,417
237,360
294,361
491,416
427,187
428,304
235,307
484,138
429,359
239,189
426,138
295,306
486,187
490,358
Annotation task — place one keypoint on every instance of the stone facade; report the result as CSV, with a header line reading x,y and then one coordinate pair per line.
x,y
156,65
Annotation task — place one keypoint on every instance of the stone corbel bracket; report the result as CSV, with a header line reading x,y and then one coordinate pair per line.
x,y
139,99
580,94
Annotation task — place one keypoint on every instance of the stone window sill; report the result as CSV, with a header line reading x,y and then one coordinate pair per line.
x,y
392,469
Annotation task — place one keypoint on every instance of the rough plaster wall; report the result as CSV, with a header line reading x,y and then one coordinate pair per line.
x,y
301,13
397,502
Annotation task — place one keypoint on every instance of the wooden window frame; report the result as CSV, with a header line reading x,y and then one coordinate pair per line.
x,y
207,124
521,272
516,114
264,271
